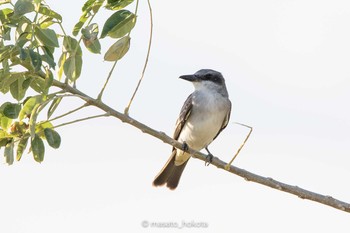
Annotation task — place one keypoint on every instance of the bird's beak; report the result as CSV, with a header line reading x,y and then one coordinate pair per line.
x,y
190,77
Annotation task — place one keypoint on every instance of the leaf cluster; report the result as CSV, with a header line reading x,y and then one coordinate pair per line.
x,y
30,34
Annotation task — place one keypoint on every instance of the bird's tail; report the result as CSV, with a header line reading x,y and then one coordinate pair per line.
x,y
170,174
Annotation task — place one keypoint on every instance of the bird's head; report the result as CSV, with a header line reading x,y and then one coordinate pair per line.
x,y
207,79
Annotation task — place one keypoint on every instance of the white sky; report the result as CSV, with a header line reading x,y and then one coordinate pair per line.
x,y
286,65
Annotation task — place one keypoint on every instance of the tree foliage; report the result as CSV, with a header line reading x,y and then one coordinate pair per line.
x,y
29,39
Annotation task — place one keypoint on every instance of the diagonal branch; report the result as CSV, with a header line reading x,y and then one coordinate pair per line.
x,y
295,190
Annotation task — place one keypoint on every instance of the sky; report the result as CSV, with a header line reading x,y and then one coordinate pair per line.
x,y
286,65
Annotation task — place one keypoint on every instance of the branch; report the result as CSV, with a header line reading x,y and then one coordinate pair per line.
x,y
267,181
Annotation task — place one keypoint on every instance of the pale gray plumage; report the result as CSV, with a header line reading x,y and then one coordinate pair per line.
x,y
205,113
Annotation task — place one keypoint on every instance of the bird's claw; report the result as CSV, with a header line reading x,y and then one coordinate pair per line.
x,y
208,159
185,147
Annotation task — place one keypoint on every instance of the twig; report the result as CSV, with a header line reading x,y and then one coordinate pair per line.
x,y
70,112
81,119
99,97
227,167
126,111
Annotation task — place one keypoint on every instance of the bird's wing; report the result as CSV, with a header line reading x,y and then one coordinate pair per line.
x,y
184,114
225,122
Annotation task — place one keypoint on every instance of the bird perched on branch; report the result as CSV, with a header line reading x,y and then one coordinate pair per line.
x,y
205,113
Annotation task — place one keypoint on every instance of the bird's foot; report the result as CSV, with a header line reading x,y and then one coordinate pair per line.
x,y
209,157
184,147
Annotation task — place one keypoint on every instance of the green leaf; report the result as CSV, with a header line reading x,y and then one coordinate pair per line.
x,y
8,153
119,24
5,122
21,147
12,110
56,101
4,1
28,106
48,12
61,62
52,137
80,24
38,84
5,15
72,67
49,60
71,46
35,60
32,121
117,4
87,5
48,80
3,140
118,49
38,148
46,36
19,87
23,6
89,36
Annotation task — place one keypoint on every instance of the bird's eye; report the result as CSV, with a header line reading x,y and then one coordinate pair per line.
x,y
208,76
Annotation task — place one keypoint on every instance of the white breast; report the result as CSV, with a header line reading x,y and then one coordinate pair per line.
x,y
205,121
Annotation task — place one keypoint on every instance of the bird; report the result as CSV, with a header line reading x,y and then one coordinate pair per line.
x,y
205,113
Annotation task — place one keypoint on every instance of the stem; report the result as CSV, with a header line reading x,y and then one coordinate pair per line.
x,y
227,167
81,119
126,111
61,26
70,112
99,97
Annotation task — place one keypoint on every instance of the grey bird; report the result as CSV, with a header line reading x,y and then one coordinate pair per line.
x,y
205,113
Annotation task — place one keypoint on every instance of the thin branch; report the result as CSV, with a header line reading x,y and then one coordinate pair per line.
x,y
227,167
126,111
69,112
302,193
99,97
81,119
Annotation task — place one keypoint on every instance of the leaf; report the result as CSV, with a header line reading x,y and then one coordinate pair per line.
x,y
46,36
48,12
21,147
118,49
119,24
49,60
48,80
19,87
35,60
72,67
80,24
117,4
71,46
61,62
52,137
38,148
12,110
5,122
89,36
40,126
32,121
56,101
28,106
73,59
8,153
38,84
87,5
4,1
23,6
